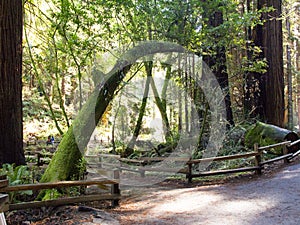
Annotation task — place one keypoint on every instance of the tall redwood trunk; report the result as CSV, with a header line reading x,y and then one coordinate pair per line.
x,y
11,129
272,86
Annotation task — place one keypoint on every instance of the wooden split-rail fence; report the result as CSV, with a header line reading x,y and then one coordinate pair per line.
x,y
114,195
143,164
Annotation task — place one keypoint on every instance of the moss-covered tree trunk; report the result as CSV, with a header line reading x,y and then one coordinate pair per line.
x,y
63,166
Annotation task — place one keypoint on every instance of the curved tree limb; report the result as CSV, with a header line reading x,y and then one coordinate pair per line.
x,y
63,165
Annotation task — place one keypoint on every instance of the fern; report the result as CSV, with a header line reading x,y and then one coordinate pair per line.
x,y
16,176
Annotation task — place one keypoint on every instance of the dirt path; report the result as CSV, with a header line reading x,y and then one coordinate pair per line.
x,y
265,200
273,198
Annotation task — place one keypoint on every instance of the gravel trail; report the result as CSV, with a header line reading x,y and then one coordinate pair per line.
x,y
264,200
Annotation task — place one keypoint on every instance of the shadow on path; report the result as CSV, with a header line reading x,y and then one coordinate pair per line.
x,y
272,200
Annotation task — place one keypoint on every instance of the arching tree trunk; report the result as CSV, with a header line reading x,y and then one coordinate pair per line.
x,y
11,129
64,163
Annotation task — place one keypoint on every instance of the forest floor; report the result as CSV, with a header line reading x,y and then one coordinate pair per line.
x,y
273,198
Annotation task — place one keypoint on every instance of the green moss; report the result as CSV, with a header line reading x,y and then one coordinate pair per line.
x,y
64,164
51,194
265,134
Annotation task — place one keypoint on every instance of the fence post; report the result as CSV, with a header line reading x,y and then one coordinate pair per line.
x,y
2,219
189,174
285,151
142,172
100,161
258,158
39,156
115,189
4,200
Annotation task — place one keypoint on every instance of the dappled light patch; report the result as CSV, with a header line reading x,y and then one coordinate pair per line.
x,y
271,200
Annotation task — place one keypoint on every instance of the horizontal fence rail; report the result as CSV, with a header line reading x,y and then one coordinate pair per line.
x,y
114,195
64,201
142,162
294,155
285,143
223,158
60,184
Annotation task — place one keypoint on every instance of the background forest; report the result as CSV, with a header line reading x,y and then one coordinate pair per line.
x,y
95,79
147,83
70,45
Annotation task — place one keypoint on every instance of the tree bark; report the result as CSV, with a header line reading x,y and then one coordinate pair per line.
x,y
272,82
289,77
298,79
11,128
264,93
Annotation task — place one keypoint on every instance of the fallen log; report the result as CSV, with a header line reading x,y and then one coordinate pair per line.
x,y
267,134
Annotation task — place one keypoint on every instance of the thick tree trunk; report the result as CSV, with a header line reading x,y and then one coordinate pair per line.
x,y
290,115
272,87
11,129
64,162
264,93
